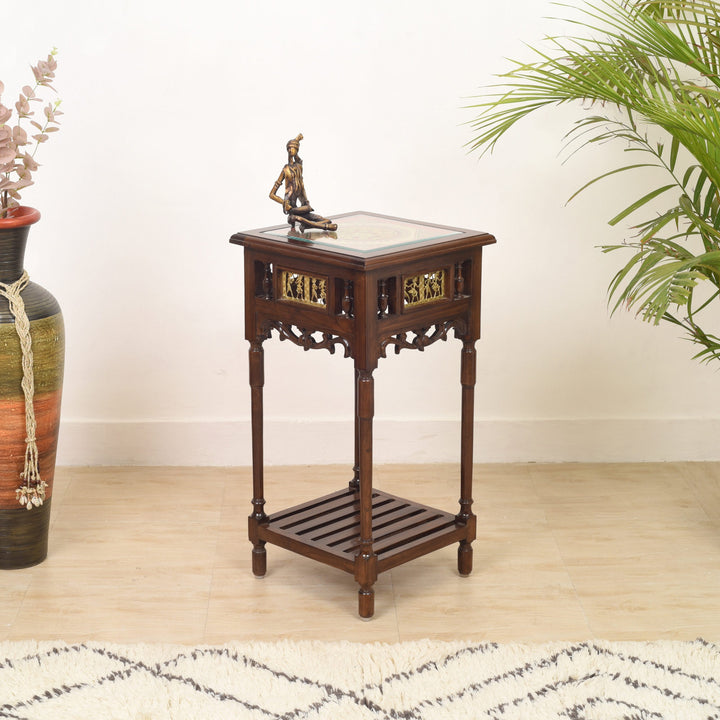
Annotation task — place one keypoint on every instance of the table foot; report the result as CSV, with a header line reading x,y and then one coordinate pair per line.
x,y
366,603
465,558
259,561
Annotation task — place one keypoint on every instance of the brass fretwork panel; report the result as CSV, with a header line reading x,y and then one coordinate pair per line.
x,y
424,288
305,289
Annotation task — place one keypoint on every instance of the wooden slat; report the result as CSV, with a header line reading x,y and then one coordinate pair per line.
x,y
310,550
350,539
415,531
328,529
400,520
421,546
381,513
308,525
317,502
347,517
299,515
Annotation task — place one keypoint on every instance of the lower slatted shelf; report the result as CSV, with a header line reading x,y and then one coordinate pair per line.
x,y
328,529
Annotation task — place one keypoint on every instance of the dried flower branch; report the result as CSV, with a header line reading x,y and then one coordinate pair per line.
x,y
17,152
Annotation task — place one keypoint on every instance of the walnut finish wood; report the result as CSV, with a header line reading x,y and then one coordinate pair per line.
x,y
329,529
357,301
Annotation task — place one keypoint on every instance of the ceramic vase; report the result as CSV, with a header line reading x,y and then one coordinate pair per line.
x,y
23,532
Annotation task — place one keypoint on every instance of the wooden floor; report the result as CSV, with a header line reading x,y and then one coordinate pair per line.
x,y
564,552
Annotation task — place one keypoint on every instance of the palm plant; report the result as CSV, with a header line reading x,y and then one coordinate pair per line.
x,y
649,70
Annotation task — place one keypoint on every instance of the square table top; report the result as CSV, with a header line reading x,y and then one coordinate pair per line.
x,y
365,235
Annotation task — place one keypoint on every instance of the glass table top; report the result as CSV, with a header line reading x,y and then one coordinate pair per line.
x,y
365,234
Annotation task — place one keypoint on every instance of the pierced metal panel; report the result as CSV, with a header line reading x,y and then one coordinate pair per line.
x,y
424,288
305,289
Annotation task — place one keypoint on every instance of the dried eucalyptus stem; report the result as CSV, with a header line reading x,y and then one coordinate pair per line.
x,y
17,154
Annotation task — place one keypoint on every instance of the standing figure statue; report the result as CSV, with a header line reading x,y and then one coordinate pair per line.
x,y
295,203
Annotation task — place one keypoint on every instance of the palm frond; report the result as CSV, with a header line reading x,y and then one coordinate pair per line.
x,y
653,67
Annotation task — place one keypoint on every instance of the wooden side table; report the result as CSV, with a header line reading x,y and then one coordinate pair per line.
x,y
374,284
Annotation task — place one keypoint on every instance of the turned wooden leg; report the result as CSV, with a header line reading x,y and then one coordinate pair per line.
x,y
258,516
259,559
355,482
465,558
366,602
466,516
366,559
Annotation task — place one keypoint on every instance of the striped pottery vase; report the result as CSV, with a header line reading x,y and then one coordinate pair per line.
x,y
23,531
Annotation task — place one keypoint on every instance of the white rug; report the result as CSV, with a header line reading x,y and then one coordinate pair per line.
x,y
338,681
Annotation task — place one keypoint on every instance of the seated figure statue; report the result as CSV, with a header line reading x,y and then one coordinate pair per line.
x,y
295,203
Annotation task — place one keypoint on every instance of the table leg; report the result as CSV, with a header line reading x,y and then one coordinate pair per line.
x,y
355,482
467,378
258,516
366,559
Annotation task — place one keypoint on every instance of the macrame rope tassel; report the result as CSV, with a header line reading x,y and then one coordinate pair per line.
x,y
31,492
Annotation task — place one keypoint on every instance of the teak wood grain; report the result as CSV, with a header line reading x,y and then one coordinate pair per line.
x,y
363,309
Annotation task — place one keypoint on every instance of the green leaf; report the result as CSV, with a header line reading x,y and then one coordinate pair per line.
x,y
649,72
674,149
701,180
639,203
607,174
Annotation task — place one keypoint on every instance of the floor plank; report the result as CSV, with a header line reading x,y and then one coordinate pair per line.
x,y
565,551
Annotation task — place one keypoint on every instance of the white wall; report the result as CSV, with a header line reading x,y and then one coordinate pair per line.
x,y
176,119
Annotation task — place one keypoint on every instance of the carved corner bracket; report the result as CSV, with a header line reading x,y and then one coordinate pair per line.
x,y
422,337
305,338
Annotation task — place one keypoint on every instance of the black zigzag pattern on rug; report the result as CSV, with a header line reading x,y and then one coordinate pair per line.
x,y
408,681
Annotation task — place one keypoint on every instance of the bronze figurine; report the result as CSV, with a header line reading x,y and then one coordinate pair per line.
x,y
295,203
